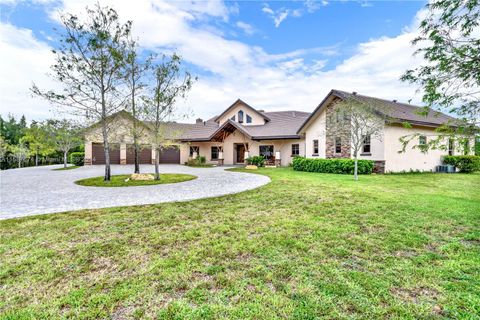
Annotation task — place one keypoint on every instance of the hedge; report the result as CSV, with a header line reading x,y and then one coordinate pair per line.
x,y
340,166
258,161
463,163
77,158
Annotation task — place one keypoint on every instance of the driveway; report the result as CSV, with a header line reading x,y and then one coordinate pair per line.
x,y
38,190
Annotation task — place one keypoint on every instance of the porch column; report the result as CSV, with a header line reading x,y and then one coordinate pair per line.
x,y
123,153
246,155
88,153
278,159
220,158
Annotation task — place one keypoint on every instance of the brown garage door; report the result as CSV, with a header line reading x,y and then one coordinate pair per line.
x,y
98,156
171,155
145,156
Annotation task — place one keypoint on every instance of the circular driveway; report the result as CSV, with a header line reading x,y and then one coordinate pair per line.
x,y
38,190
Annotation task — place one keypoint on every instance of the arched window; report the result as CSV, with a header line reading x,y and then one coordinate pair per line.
x,y
240,116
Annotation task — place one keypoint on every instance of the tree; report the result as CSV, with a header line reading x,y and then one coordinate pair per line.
x,y
88,64
11,130
19,153
169,84
3,148
359,122
36,138
450,78
64,135
134,72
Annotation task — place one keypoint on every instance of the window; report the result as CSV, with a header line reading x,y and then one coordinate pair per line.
x,y
315,147
338,145
240,116
232,118
214,153
266,152
249,119
422,140
295,149
450,147
366,148
193,149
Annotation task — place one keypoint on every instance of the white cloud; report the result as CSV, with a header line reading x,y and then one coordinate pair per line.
x,y
247,28
235,69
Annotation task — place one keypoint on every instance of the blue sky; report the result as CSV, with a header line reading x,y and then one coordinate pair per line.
x,y
275,55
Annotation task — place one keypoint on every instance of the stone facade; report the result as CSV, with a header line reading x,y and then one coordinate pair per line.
x,y
379,166
334,130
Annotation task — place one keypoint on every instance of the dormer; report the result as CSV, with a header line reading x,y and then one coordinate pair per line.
x,y
243,114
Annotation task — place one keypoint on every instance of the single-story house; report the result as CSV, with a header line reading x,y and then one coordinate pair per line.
x,y
241,131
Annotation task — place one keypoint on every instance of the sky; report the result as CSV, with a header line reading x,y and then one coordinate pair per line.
x,y
273,55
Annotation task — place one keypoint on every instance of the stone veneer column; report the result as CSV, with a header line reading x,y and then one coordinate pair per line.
x,y
332,133
88,153
278,159
123,153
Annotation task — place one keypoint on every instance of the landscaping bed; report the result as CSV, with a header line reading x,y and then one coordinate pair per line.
x,y
121,180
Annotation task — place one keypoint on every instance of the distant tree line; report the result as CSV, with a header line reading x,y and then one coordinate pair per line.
x,y
40,143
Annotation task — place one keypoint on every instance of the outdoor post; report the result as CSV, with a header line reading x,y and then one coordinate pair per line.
x,y
278,159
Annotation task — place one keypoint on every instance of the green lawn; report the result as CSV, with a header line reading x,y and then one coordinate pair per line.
x,y
305,246
119,180
67,168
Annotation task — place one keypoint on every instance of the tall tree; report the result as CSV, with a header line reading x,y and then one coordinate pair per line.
x,y
36,138
450,77
359,122
135,70
64,135
169,84
88,65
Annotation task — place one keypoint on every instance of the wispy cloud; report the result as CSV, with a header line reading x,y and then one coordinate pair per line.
x,y
247,28
279,15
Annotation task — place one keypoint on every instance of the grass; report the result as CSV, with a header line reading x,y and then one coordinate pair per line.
x,y
119,180
205,165
67,168
305,246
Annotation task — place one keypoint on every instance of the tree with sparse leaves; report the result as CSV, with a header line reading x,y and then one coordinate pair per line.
x,y
88,64
360,122
64,135
450,77
135,71
20,153
169,84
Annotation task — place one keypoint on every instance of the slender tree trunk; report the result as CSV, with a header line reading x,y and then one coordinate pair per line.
x,y
36,158
105,136
65,159
19,163
157,162
134,114
137,163
355,170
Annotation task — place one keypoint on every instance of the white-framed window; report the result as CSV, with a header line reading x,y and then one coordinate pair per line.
x,y
315,147
240,116
338,145
214,153
367,146
267,152
193,149
422,140
295,149
248,119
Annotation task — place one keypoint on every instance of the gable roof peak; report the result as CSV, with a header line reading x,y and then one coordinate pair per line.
x,y
245,104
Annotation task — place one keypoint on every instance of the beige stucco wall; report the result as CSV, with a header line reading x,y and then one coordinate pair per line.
x,y
316,131
411,159
229,154
119,132
256,118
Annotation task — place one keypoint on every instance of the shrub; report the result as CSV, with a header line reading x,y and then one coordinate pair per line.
x,y
340,166
77,158
258,161
199,161
463,163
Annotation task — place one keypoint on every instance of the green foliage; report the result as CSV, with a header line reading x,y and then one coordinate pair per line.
x,y
339,166
120,180
77,158
199,161
465,164
450,47
37,139
258,161
11,130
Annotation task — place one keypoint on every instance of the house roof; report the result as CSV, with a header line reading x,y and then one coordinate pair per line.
x,y
240,101
282,125
397,111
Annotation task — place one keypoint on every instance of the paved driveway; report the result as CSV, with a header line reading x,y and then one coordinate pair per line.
x,y
30,191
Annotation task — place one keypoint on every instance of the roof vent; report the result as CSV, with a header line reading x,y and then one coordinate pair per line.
x,y
354,93
261,110
199,120
395,100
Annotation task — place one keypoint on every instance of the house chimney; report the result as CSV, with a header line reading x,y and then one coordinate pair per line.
x,y
261,110
199,120
395,100
354,93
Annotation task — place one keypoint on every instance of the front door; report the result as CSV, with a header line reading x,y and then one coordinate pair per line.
x,y
240,153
